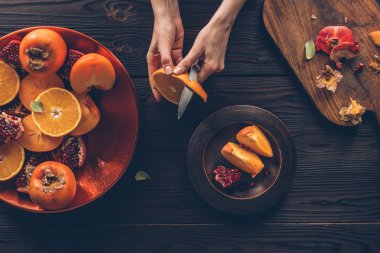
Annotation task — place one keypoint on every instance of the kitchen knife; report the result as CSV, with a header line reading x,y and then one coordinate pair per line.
x,y
187,94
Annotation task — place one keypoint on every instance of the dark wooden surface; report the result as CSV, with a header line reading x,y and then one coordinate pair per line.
x,y
289,23
334,201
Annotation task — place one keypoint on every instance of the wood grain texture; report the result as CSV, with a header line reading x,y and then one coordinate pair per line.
x,y
333,204
290,25
262,238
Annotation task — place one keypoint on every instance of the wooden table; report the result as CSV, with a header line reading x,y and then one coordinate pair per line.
x,y
333,204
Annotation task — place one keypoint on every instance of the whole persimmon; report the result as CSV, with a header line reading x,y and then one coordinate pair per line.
x,y
92,70
52,185
42,52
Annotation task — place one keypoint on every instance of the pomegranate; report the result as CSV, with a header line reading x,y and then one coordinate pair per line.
x,y
331,36
10,54
23,178
72,152
71,58
345,50
227,177
11,128
15,108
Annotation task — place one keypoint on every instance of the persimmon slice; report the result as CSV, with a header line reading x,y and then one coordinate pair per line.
x,y
171,86
32,86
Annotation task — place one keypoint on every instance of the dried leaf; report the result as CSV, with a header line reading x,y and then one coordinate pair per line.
x,y
313,17
141,176
310,49
37,106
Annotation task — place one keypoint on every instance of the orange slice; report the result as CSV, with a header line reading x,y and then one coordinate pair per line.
x,y
12,157
32,86
9,83
34,140
60,112
171,86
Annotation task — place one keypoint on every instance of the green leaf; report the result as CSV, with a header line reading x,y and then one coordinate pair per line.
x,y
310,49
37,106
141,176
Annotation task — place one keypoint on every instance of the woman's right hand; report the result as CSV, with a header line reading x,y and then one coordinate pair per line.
x,y
167,40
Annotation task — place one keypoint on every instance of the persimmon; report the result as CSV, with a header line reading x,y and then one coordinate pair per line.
x,y
52,185
171,86
42,52
32,86
90,115
253,138
92,70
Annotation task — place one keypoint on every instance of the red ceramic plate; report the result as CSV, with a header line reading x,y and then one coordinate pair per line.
x,y
110,146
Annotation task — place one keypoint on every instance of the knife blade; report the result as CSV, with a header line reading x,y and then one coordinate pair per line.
x,y
187,94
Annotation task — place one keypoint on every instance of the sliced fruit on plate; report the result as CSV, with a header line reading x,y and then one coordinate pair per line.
x,y
12,157
23,178
52,185
58,112
243,159
34,140
32,86
171,86
90,114
92,70
11,128
42,52
253,138
72,152
9,83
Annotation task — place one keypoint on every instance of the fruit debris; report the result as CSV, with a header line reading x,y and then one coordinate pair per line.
x,y
353,112
375,37
345,50
329,79
331,36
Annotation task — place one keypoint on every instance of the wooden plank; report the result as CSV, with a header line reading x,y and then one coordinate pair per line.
x,y
290,25
240,238
109,13
337,178
247,54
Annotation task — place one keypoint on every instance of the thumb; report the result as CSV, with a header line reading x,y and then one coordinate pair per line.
x,y
166,59
189,60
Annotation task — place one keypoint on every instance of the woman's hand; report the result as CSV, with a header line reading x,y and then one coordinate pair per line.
x,y
210,47
167,40
211,43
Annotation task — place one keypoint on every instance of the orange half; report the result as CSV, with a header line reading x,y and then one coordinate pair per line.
x,y
61,112
9,83
171,86
12,157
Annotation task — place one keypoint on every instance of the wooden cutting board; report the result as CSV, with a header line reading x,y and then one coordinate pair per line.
x,y
290,25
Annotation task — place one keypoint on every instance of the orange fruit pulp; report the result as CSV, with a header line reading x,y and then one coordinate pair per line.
x,y
61,112
12,157
171,86
9,83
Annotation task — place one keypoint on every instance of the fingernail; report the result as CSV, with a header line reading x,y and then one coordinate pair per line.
x,y
168,70
177,70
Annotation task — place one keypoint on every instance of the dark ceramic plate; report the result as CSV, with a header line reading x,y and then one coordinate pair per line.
x,y
204,155
110,146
